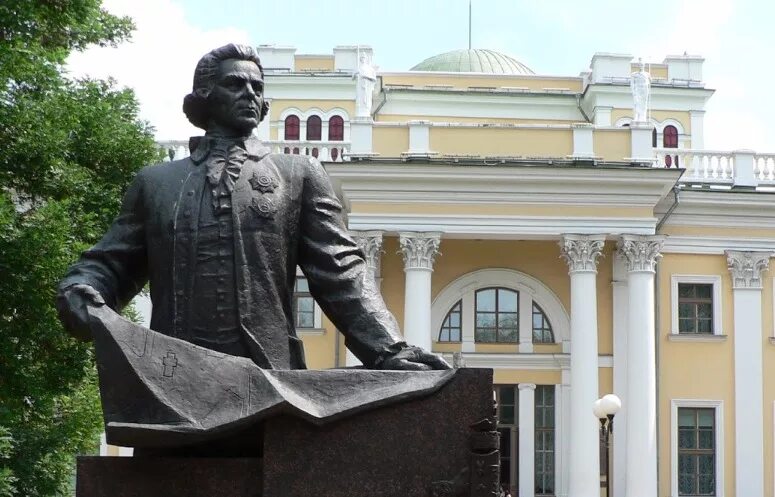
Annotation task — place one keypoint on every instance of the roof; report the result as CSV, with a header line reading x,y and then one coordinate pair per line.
x,y
473,60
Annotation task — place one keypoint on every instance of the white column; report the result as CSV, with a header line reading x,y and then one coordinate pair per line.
x,y
527,439
419,250
562,434
746,269
581,253
620,323
640,254
370,242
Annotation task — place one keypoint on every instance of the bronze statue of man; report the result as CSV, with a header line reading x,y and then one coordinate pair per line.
x,y
219,235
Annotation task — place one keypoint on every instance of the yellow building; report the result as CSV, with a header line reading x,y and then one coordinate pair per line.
x,y
527,223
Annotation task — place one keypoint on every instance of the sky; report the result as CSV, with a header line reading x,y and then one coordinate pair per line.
x,y
552,37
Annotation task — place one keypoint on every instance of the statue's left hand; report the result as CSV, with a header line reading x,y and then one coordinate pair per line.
x,y
414,359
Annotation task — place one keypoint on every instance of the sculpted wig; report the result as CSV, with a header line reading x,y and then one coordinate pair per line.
x,y
195,103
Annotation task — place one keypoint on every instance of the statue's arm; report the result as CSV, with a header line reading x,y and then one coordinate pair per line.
x,y
337,273
341,282
116,266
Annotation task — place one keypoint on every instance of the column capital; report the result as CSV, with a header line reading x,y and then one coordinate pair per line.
x,y
370,242
746,268
581,252
640,252
419,250
527,386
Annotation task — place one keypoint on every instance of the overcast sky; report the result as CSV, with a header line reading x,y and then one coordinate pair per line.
x,y
555,37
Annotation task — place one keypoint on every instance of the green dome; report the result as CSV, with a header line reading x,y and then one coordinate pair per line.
x,y
477,60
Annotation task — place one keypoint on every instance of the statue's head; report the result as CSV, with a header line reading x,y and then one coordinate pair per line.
x,y
228,91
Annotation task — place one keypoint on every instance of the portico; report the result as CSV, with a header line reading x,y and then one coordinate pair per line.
x,y
477,227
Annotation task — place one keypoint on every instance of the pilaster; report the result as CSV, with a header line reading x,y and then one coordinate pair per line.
x,y
746,271
370,242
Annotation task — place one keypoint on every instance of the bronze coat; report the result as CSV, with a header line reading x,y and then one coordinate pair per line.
x,y
285,213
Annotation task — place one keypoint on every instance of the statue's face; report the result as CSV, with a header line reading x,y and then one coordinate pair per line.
x,y
237,97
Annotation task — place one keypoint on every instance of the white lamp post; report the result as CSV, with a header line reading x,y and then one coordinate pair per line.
x,y
605,409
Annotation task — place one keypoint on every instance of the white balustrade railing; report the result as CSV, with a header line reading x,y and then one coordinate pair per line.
x,y
174,149
326,151
737,168
764,167
702,166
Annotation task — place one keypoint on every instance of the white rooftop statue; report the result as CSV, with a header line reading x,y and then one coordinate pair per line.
x,y
367,79
640,84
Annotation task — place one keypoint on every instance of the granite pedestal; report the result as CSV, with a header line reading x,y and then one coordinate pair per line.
x,y
444,444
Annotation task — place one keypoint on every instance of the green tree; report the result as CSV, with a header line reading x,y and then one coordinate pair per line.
x,y
68,149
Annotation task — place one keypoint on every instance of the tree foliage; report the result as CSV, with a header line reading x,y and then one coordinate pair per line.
x,y
68,149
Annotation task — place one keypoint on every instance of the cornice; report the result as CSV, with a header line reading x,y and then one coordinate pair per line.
x,y
500,227
724,209
716,245
388,182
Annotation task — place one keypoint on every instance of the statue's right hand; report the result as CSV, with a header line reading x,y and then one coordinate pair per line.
x,y
71,305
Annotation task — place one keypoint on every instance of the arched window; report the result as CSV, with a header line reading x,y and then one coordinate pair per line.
x,y
315,152
654,137
314,128
334,154
497,315
450,329
494,305
542,328
670,136
292,127
336,129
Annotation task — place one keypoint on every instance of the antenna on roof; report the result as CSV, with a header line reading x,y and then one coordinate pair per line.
x,y
469,24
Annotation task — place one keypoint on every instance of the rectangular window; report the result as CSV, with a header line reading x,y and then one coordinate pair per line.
x,y
544,440
696,451
508,426
507,397
695,308
303,304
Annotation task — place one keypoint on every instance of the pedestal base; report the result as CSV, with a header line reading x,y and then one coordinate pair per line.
x,y
168,477
443,445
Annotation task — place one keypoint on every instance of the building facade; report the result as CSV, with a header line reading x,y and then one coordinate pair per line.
x,y
529,224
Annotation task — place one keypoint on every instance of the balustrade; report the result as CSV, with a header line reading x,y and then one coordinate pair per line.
x,y
764,167
702,166
326,151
